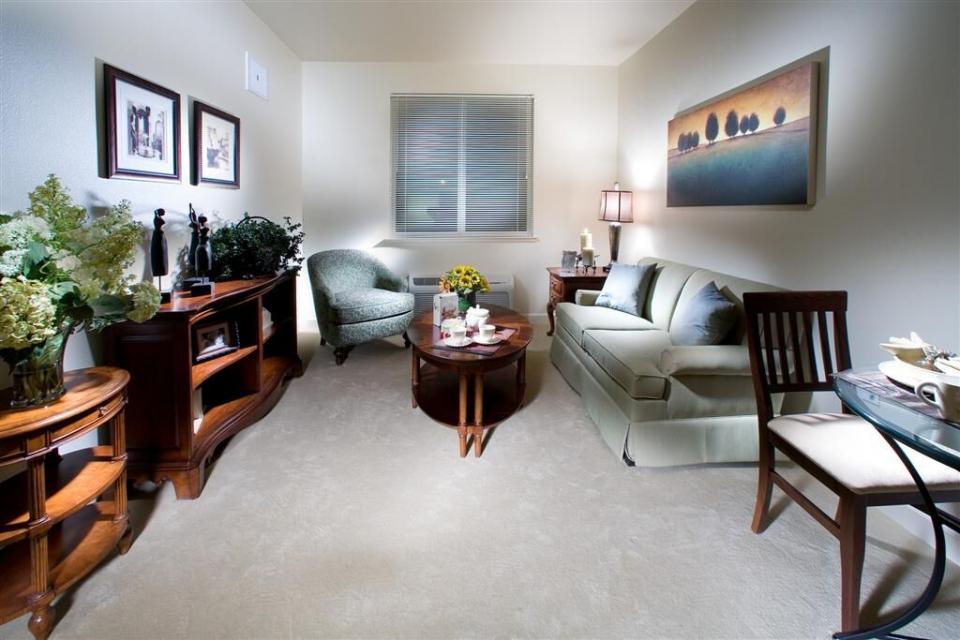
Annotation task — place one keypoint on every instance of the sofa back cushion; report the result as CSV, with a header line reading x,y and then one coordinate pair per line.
x,y
665,288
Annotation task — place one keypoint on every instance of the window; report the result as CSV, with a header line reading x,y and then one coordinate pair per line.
x,y
462,165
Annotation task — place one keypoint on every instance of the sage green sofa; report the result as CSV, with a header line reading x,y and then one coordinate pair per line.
x,y
656,404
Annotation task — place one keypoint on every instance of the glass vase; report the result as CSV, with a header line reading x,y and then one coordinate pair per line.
x,y
464,302
38,375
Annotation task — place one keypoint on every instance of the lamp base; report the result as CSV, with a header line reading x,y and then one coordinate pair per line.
x,y
615,228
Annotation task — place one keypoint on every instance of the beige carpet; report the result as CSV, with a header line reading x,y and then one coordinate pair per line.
x,y
345,513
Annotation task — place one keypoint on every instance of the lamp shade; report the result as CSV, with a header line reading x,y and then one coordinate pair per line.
x,y
616,205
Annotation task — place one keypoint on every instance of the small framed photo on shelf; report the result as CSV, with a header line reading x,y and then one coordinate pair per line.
x,y
214,340
216,147
143,127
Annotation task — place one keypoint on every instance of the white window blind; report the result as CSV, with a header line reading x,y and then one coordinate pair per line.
x,y
462,164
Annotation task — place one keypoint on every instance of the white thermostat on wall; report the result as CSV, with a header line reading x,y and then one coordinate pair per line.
x,y
256,78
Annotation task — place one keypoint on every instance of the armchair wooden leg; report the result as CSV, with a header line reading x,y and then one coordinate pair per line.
x,y
406,341
764,488
323,341
340,354
852,518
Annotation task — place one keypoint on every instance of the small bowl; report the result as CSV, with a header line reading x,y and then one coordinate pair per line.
x,y
905,352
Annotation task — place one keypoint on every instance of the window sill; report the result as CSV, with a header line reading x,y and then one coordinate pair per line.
x,y
422,240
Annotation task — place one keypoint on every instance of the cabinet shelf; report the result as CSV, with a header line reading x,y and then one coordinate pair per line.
x,y
76,546
71,483
201,372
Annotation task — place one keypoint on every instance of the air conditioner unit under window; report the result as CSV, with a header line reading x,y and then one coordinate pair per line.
x,y
424,288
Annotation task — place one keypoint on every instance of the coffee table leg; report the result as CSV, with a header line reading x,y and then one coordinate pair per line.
x,y
414,379
522,377
478,414
462,428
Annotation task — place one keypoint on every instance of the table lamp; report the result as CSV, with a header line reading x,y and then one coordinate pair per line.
x,y
615,207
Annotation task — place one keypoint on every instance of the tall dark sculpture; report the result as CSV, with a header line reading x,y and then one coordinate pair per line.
x,y
202,259
194,238
159,264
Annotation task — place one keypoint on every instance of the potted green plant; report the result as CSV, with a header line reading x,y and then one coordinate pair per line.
x,y
256,246
61,270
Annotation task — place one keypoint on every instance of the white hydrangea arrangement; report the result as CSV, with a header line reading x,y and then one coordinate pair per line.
x,y
61,270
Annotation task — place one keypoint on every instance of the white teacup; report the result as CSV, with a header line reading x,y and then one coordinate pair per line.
x,y
487,331
946,398
458,333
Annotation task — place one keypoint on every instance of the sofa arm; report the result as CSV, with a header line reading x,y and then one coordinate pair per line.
x,y
706,360
586,297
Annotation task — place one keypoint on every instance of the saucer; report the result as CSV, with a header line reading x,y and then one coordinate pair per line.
x,y
450,342
495,339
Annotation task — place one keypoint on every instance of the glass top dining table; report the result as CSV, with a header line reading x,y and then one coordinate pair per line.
x,y
860,390
904,419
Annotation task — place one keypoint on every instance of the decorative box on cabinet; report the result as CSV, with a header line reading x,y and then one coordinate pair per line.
x,y
62,515
237,389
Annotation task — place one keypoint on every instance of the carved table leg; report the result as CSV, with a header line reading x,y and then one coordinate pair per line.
x,y
414,379
462,428
123,545
478,414
550,308
522,377
41,622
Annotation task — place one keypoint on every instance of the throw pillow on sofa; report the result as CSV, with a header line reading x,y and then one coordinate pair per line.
x,y
626,288
706,319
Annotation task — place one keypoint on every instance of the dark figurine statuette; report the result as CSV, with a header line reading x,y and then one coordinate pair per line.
x,y
203,259
159,264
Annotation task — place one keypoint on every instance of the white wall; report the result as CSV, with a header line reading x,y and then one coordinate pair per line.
x,y
886,225
49,117
346,160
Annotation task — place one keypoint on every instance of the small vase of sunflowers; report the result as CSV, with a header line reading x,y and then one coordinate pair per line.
x,y
466,282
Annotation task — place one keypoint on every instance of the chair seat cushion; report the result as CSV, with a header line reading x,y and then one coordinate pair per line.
x,y
577,318
852,451
630,358
363,305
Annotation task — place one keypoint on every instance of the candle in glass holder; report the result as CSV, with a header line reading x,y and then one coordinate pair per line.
x,y
588,256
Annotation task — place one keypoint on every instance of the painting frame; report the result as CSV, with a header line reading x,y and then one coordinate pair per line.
x,y
738,164
205,154
148,148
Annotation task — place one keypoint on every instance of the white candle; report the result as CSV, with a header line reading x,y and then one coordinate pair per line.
x,y
586,240
587,256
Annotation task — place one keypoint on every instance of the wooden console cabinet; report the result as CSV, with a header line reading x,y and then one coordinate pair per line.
x,y
236,389
62,515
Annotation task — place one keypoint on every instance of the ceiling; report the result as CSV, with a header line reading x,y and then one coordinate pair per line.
x,y
602,32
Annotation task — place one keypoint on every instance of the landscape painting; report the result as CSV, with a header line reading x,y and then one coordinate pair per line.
x,y
756,146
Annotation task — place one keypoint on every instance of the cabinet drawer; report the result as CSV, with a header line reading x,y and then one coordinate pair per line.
x,y
556,287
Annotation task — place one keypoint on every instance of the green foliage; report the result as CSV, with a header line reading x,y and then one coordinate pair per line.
x,y
256,247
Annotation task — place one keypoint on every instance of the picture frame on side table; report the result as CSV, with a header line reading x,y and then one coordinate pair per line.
x,y
216,147
142,127
214,340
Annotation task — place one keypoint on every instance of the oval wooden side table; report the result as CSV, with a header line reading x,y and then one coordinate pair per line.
x,y
62,515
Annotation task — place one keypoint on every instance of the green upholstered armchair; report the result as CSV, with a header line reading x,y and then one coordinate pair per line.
x,y
357,299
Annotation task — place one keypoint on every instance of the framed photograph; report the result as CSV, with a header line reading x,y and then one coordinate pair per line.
x,y
143,127
216,147
568,260
754,145
213,340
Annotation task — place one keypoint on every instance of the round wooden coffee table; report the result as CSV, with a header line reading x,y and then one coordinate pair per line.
x,y
441,378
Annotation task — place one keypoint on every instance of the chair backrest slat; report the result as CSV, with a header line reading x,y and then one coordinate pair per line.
x,y
778,322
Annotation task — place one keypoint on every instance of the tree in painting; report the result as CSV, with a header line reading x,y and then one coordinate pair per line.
x,y
779,116
732,126
713,128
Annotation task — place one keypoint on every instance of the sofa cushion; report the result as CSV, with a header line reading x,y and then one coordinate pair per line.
x,y
852,451
362,305
666,285
706,318
733,289
576,319
626,288
630,358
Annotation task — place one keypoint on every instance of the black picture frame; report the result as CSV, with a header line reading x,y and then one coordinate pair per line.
x,y
208,343
205,152
146,144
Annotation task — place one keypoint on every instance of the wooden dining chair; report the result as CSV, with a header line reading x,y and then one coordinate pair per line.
x,y
796,341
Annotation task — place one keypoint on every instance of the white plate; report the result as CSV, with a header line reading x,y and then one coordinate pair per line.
x,y
496,339
911,375
450,342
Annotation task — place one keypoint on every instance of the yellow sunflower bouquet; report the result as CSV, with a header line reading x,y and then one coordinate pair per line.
x,y
465,281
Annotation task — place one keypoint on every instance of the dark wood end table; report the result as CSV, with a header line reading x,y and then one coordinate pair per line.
x,y
440,379
564,284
